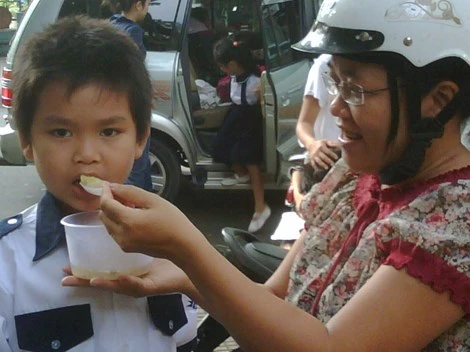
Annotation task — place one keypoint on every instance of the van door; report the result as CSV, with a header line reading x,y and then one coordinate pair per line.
x,y
283,83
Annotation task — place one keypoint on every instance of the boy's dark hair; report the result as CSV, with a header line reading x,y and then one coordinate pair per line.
x,y
226,50
78,51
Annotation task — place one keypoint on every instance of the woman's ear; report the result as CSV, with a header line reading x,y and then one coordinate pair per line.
x,y
438,98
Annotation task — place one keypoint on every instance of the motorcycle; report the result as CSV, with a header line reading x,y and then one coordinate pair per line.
x,y
257,260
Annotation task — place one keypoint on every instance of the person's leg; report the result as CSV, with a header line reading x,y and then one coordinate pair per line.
x,y
240,169
257,186
262,210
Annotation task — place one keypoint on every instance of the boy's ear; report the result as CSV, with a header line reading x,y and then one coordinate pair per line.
x,y
438,98
141,144
26,147
140,4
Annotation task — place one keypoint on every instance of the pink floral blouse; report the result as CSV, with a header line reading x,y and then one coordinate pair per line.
x,y
354,227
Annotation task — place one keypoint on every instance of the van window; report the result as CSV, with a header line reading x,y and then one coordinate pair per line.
x,y
280,21
236,15
80,7
159,24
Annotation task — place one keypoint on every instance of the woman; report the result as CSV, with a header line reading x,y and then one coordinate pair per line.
x,y
384,262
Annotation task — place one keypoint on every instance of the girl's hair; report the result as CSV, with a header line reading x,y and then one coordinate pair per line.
x,y
124,5
226,50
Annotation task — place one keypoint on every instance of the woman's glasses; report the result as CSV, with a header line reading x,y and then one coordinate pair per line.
x,y
351,93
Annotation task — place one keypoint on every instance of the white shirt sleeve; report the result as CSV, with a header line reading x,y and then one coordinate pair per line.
x,y
315,86
6,301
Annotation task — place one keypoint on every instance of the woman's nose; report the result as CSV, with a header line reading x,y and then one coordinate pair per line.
x,y
338,107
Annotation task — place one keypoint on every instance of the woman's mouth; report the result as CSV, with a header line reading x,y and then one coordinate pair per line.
x,y
347,136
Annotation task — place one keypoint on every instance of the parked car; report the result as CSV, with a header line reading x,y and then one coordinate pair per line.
x,y
183,125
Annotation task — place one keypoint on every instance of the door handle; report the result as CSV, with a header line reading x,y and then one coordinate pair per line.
x,y
285,100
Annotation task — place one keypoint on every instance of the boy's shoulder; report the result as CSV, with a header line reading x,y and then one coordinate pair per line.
x,y
12,223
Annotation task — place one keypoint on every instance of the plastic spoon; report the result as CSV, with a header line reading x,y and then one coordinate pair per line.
x,y
92,185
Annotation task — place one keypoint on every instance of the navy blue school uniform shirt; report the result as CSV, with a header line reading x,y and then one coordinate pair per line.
x,y
134,30
141,171
38,314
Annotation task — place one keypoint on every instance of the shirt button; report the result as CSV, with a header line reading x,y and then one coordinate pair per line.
x,y
12,221
55,344
170,324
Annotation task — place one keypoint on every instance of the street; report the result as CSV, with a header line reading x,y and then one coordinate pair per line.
x,y
209,210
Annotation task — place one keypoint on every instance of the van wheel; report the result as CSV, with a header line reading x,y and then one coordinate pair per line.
x,y
166,170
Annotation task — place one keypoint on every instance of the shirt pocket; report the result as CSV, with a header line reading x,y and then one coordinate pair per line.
x,y
167,313
58,329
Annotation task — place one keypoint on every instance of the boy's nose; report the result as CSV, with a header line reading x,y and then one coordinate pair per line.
x,y
86,151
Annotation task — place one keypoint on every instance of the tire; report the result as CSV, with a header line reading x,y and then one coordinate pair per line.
x,y
166,170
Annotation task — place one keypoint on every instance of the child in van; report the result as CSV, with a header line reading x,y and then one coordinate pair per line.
x,y
82,106
239,141
132,13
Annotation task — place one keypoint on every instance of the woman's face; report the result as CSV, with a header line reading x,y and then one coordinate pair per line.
x,y
365,128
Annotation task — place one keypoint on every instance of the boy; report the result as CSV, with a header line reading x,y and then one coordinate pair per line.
x,y
82,107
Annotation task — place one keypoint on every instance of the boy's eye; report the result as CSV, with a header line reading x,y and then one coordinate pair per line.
x,y
109,132
61,132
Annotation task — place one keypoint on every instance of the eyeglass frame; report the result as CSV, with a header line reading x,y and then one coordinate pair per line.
x,y
333,88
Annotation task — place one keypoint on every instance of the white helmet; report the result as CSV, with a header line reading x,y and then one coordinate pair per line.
x,y
423,31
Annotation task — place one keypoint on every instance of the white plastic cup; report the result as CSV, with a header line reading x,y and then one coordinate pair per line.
x,y
93,252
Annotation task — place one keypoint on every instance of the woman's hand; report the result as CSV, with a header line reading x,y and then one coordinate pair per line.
x,y
163,277
141,221
321,153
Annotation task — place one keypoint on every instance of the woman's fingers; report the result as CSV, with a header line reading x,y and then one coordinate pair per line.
x,y
118,200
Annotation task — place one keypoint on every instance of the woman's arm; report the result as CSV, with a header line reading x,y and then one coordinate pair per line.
x,y
392,312
279,280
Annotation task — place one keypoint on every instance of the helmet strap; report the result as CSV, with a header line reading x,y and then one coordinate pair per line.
x,y
395,105
422,133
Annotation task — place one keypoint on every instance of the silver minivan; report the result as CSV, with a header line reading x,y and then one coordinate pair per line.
x,y
183,121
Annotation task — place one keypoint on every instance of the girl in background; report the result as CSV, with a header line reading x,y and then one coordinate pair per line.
x,y
239,142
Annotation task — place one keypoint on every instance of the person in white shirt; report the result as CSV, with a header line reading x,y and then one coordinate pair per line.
x,y
316,127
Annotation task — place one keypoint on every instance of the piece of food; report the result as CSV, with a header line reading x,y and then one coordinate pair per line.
x,y
91,181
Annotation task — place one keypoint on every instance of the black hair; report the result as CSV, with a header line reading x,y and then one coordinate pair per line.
x,y
226,50
78,51
125,5
417,82
107,9
200,13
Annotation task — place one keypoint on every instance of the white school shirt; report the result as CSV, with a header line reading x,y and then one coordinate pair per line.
x,y
77,319
239,84
325,124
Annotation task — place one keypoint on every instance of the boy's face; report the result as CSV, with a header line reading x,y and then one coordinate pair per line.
x,y
91,132
142,8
